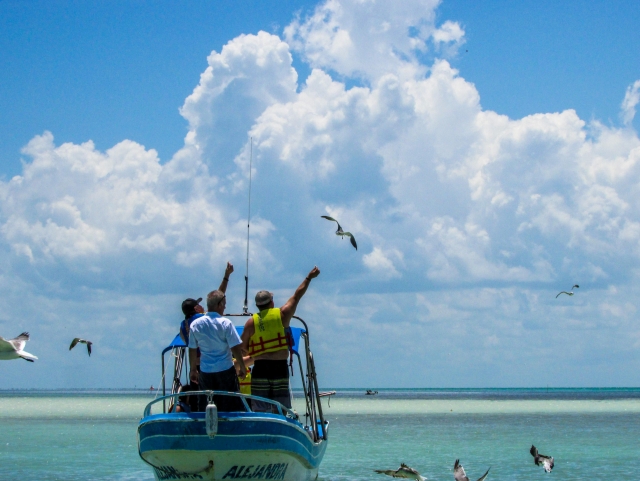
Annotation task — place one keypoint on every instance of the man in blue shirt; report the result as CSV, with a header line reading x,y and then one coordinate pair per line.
x,y
219,343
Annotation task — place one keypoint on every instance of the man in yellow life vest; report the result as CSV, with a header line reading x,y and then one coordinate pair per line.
x,y
264,339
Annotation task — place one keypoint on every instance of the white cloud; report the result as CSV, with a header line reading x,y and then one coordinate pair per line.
x,y
380,263
73,202
475,218
370,38
631,99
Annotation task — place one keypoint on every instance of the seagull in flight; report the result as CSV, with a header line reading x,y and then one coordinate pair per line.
x,y
575,286
342,233
541,460
84,341
403,471
460,475
13,348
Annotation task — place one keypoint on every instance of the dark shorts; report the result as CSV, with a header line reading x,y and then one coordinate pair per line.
x,y
223,381
270,379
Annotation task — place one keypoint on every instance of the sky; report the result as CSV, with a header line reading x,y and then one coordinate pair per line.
x,y
485,155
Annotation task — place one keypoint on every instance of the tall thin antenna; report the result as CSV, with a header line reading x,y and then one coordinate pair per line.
x,y
245,308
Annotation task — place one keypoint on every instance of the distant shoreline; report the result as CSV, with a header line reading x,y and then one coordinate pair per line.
x,y
356,389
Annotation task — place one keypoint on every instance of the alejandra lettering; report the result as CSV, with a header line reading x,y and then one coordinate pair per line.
x,y
261,471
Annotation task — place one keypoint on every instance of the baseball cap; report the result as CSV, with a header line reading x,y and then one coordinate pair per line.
x,y
189,306
263,298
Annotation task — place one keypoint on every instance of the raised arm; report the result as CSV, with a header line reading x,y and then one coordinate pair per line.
x,y
289,309
225,279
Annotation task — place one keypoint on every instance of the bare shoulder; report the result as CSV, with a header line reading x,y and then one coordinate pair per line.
x,y
249,323
286,313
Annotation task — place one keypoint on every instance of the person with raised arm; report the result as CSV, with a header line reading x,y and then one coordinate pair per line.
x,y
265,340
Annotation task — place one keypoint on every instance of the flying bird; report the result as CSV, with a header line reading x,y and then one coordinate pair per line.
x,y
84,341
342,233
575,286
460,475
13,348
403,471
541,460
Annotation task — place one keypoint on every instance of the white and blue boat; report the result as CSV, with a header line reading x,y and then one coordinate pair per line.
x,y
235,445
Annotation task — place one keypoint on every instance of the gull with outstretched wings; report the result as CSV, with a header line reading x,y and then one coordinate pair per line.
x,y
575,286
342,233
460,475
76,340
541,460
403,471
13,348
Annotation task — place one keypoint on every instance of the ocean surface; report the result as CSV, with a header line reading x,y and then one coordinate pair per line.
x,y
592,433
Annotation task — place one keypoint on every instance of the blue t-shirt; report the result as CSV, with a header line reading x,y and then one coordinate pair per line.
x,y
215,336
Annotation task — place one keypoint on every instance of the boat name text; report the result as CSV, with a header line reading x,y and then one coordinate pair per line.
x,y
261,471
169,472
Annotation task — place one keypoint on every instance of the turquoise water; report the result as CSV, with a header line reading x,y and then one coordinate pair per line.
x,y
593,434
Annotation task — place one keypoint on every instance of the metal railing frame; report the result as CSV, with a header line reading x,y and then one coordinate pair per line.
x,y
310,387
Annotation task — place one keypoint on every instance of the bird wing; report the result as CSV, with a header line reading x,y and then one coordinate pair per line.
x,y
26,356
407,469
20,341
481,478
534,453
75,341
564,292
351,238
574,286
458,472
89,343
388,472
331,218
6,345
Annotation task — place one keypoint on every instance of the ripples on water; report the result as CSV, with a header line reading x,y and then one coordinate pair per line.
x,y
592,433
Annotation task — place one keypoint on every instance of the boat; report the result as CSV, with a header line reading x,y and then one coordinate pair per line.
x,y
214,446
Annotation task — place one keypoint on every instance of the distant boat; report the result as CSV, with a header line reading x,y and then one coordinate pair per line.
x,y
370,392
214,445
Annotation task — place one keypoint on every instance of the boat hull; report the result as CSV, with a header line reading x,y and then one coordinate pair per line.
x,y
246,446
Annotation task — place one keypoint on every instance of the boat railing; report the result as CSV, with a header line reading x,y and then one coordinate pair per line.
x,y
280,408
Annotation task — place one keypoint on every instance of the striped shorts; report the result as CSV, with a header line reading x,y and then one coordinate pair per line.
x,y
270,379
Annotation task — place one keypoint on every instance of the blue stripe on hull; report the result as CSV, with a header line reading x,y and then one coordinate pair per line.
x,y
257,433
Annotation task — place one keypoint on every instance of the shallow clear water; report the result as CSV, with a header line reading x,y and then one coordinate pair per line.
x,y
591,434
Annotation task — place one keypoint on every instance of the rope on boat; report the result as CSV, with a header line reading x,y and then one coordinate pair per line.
x,y
161,383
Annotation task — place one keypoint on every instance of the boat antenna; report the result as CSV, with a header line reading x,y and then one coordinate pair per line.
x,y
245,307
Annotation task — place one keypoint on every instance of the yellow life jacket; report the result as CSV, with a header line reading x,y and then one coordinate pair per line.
x,y
269,335
245,384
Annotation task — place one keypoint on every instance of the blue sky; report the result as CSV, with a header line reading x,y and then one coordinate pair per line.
x,y
485,155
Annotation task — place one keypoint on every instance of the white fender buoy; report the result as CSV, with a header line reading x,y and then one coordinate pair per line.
x,y
211,419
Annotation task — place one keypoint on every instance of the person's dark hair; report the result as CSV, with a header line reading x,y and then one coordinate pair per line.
x,y
189,307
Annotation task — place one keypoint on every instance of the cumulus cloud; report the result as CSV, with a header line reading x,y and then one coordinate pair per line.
x,y
75,202
368,38
440,193
381,263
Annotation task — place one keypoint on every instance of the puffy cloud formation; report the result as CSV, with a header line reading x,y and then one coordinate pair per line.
x,y
73,202
452,205
369,39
